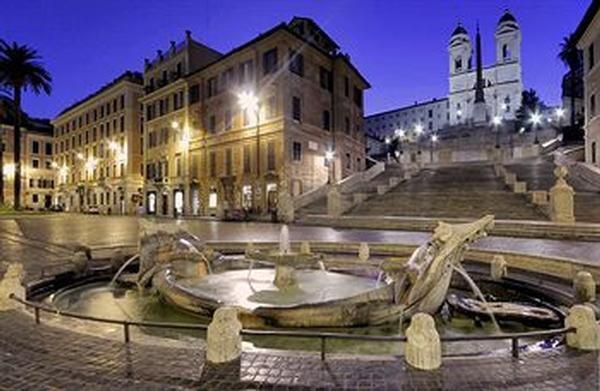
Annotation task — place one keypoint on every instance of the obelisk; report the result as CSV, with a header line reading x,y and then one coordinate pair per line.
x,y
479,106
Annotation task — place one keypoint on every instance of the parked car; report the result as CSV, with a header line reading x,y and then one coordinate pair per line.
x,y
92,210
56,208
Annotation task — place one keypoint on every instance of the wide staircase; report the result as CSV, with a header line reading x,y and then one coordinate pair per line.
x,y
467,190
539,175
319,206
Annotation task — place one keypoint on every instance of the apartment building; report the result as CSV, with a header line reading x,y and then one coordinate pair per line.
x,y
36,162
250,129
98,149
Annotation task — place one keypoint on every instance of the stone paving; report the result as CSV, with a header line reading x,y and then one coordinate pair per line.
x,y
43,357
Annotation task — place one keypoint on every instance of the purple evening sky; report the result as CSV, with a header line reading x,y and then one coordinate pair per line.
x,y
399,46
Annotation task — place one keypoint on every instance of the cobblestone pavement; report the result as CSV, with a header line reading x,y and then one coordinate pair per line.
x,y
43,357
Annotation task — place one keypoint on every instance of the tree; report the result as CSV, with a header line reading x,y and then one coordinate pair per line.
x,y
530,103
20,71
571,57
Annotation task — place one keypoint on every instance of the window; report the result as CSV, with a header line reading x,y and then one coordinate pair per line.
x,y
35,198
592,106
505,52
348,161
194,93
35,147
326,79
358,97
246,71
458,64
593,152
296,151
270,61
591,61
178,165
35,163
227,78
228,162
346,87
296,109
296,64
228,119
271,156
212,161
122,99
122,119
326,120
212,124
49,148
247,159
347,125
430,113
212,87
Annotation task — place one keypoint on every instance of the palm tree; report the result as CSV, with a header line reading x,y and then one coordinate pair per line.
x,y
21,70
571,57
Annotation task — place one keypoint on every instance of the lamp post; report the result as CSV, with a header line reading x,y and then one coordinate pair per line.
x,y
536,118
434,139
497,121
560,113
329,160
388,141
418,132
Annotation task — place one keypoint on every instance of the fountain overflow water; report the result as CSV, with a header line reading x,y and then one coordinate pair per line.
x,y
459,269
123,267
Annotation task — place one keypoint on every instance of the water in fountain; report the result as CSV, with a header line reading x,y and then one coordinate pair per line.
x,y
284,240
477,291
379,278
123,267
322,266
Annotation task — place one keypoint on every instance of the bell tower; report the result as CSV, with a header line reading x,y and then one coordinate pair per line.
x,y
460,51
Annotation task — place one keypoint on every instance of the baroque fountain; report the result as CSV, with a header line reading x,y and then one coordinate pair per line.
x,y
176,277
285,288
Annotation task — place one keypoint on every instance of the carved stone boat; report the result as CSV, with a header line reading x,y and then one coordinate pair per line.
x,y
504,311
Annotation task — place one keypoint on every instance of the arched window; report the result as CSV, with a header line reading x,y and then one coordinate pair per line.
x,y
458,64
505,52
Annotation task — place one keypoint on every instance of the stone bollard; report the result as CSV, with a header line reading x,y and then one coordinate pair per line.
x,y
393,181
519,187
223,339
498,268
334,202
80,262
584,287
423,348
587,335
363,252
561,198
305,247
510,178
12,283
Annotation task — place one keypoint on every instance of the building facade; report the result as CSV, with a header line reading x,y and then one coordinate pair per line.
x,y
502,81
269,120
588,40
36,163
98,150
426,117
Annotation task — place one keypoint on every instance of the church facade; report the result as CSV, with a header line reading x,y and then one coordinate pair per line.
x,y
502,81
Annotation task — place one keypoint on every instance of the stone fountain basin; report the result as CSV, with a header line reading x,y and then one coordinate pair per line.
x,y
320,299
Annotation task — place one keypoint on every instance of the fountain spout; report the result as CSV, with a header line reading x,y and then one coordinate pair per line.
x,y
123,267
284,240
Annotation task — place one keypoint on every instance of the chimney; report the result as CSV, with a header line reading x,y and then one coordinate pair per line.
x,y
188,36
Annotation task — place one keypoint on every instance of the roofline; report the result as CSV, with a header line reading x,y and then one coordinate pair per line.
x,y
587,19
123,77
405,107
280,27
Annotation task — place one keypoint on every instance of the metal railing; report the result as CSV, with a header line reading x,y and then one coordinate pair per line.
x,y
321,336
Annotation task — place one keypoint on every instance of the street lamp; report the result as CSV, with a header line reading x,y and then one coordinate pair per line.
x,y
433,139
329,160
536,118
497,121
